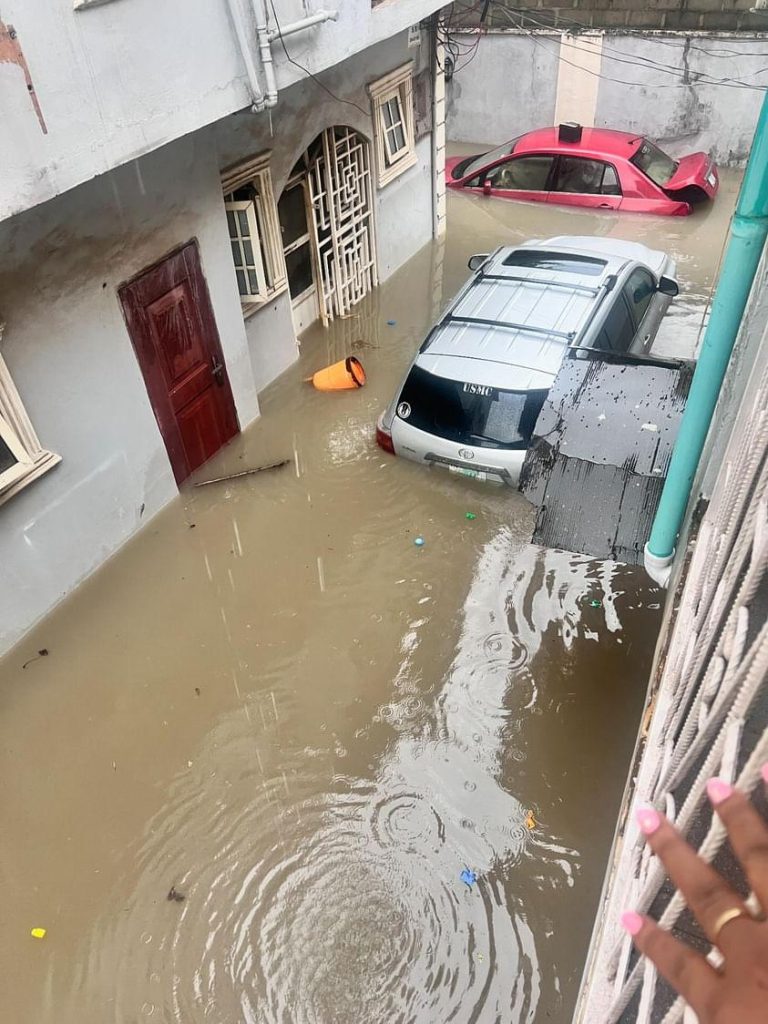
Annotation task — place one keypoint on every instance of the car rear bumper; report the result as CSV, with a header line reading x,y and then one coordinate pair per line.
x,y
495,465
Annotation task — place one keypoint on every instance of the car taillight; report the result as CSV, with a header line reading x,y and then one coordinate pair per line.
x,y
384,440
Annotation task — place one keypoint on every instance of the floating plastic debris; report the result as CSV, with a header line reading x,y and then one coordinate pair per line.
x,y
468,877
470,515
38,933
419,542
530,821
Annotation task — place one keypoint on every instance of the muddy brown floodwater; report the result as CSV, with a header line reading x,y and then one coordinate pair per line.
x,y
274,703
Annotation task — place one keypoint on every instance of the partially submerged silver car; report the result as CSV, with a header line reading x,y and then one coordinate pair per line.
x,y
472,395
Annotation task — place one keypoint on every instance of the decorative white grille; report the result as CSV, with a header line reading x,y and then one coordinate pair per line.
x,y
342,213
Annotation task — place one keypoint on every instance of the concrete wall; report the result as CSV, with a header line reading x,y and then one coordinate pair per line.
x,y
662,86
69,353
731,15
119,79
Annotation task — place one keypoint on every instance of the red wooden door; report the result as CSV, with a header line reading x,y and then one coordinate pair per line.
x,y
171,324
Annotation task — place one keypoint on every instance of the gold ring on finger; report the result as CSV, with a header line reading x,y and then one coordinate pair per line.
x,y
728,915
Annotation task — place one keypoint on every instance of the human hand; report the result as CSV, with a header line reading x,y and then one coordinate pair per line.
x,y
737,992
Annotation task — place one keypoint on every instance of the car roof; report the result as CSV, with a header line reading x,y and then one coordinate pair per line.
x,y
594,140
510,326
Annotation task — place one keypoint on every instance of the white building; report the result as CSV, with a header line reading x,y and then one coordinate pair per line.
x,y
185,187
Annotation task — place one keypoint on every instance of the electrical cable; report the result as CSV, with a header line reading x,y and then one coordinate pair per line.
x,y
308,73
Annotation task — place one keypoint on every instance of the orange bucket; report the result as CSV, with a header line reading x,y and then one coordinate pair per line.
x,y
347,373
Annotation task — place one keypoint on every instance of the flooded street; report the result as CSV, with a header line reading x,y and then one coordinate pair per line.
x,y
273,704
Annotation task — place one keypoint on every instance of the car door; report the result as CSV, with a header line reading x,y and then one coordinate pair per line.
x,y
519,177
644,301
577,181
617,331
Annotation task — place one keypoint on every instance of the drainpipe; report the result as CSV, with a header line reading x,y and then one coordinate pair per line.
x,y
265,52
748,233
298,26
244,45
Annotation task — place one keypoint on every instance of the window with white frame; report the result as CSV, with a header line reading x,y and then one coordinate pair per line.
x,y
254,232
392,99
22,458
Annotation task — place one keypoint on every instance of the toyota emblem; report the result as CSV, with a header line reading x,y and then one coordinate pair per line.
x,y
466,453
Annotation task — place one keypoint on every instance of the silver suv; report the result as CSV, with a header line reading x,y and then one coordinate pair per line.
x,y
472,394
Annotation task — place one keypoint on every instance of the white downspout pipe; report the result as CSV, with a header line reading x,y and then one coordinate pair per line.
x,y
265,52
298,26
243,43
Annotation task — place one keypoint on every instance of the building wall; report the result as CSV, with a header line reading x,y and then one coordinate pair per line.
x,y
115,80
68,350
654,85
403,207
730,15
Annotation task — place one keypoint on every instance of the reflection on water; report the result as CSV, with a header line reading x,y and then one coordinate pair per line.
x,y
277,704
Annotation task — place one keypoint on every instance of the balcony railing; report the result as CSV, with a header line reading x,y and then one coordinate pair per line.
x,y
707,716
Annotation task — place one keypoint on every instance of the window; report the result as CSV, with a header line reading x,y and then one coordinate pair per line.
x,y
638,291
254,232
654,163
22,459
469,413
618,331
392,99
587,177
524,173
562,262
297,247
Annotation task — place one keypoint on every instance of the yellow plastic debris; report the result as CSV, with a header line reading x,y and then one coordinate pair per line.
x,y
530,821
38,933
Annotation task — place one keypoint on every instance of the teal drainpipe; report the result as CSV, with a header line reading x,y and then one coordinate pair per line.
x,y
745,246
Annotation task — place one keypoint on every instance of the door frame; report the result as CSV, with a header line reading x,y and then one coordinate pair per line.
x,y
135,323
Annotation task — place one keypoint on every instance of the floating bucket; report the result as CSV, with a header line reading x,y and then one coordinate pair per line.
x,y
348,373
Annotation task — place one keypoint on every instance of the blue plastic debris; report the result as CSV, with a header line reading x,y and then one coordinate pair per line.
x,y
391,323
419,542
468,877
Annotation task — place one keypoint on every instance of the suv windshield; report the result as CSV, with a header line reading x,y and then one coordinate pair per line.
x,y
475,163
469,413
654,163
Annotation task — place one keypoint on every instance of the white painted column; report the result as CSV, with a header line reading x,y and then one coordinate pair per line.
x,y
577,78
438,141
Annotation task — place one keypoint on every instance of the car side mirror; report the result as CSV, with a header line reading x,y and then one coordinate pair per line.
x,y
476,261
668,287
486,188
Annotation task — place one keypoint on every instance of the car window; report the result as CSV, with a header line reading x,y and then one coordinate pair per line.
x,y
654,162
529,173
611,185
468,413
638,291
618,331
474,163
588,177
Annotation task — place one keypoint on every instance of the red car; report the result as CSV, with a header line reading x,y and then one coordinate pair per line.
x,y
593,167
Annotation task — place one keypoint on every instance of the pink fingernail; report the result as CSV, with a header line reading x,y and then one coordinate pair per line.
x,y
718,790
764,773
631,922
648,819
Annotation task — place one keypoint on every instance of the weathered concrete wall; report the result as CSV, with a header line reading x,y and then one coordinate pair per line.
x,y
69,352
515,93
662,86
730,15
117,80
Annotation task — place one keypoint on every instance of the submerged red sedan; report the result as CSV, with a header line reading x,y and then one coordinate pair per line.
x,y
594,167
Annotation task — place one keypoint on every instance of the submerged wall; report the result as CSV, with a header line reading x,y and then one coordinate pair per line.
x,y
671,87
